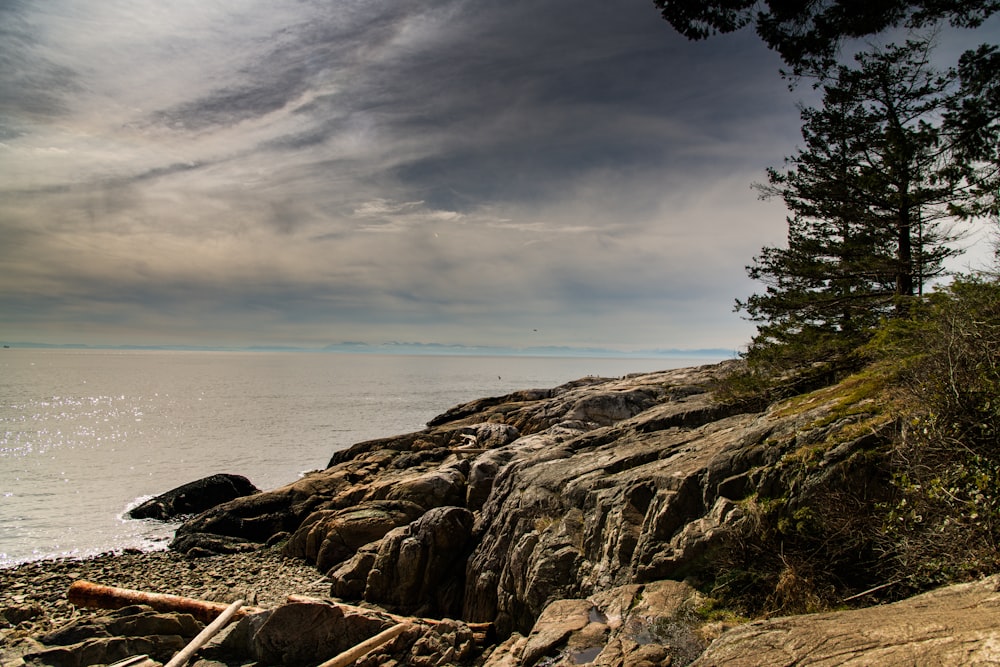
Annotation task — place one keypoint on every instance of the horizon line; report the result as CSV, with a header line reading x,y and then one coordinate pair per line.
x,y
397,348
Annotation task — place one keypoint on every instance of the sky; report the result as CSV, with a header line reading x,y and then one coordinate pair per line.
x,y
300,172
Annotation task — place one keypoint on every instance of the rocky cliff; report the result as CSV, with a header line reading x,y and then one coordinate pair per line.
x,y
570,517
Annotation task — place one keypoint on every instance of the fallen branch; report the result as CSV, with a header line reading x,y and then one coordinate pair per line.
x,y
96,596
202,637
352,654
872,590
136,661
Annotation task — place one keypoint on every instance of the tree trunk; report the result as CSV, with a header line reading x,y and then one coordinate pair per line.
x,y
904,254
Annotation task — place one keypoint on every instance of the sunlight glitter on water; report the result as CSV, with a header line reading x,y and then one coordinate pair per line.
x,y
84,434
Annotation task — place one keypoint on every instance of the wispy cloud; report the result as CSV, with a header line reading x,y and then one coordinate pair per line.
x,y
448,171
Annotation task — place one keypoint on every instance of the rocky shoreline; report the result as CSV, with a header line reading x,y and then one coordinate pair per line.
x,y
583,524
34,594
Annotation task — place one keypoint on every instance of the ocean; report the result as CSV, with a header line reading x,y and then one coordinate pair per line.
x,y
87,434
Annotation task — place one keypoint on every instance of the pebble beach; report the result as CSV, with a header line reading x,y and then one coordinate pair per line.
x,y
33,595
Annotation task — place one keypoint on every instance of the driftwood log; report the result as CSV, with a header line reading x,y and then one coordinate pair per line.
x,y
96,596
352,654
212,629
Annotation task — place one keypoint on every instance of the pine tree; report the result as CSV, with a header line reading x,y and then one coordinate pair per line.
x,y
872,194
810,34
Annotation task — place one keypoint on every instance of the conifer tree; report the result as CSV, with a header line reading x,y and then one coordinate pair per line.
x,y
872,193
809,34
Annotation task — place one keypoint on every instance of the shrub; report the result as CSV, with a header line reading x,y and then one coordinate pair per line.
x,y
944,523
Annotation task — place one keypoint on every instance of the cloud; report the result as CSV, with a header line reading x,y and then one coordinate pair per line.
x,y
292,171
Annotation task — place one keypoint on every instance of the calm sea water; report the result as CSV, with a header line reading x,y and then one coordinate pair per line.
x,y
84,435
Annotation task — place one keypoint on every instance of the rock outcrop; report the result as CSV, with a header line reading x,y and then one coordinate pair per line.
x,y
637,625
303,633
130,631
574,490
329,537
194,497
295,634
566,517
417,568
955,625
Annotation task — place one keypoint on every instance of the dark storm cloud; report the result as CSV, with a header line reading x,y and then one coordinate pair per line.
x,y
519,118
505,114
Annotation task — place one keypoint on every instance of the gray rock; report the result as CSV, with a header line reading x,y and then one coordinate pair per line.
x,y
444,644
553,628
351,578
131,621
309,633
571,516
259,517
19,613
629,625
104,651
437,488
129,631
606,408
956,625
416,568
329,537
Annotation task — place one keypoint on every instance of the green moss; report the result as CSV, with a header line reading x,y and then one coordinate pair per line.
x,y
863,392
711,610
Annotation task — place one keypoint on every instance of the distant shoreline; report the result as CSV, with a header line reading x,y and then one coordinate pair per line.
x,y
429,349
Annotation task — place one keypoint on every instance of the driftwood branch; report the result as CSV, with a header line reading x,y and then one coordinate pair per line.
x,y
872,590
96,596
136,661
202,637
350,655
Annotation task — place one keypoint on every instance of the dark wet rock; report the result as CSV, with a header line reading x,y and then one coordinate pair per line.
x,y
194,497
